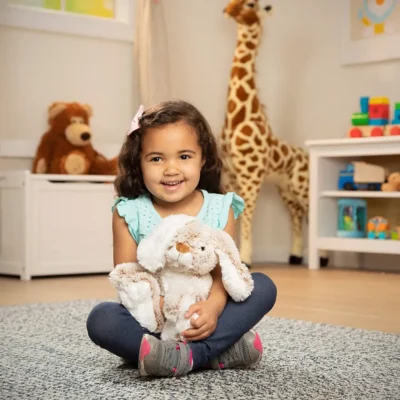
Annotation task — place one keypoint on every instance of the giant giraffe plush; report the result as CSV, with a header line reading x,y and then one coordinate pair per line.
x,y
251,153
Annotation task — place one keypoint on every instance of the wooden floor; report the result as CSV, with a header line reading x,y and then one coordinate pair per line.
x,y
359,299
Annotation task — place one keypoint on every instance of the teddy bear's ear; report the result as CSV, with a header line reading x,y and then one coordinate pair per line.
x,y
56,108
88,109
151,250
236,277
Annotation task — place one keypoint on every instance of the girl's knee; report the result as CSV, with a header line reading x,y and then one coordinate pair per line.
x,y
264,289
100,320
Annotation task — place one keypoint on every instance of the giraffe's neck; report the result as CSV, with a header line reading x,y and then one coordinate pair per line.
x,y
243,101
248,41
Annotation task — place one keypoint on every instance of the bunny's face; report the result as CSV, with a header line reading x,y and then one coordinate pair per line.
x,y
192,250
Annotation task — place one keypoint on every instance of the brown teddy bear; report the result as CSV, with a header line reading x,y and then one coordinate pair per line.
x,y
66,147
393,183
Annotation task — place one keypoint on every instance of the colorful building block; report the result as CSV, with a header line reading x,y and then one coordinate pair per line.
x,y
364,103
359,119
396,117
378,121
376,111
397,106
378,100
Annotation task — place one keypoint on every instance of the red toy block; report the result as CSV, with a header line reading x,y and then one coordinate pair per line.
x,y
378,131
378,111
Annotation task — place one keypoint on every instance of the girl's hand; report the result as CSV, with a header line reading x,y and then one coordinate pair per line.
x,y
205,324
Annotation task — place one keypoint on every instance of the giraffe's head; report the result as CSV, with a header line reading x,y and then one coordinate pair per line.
x,y
246,12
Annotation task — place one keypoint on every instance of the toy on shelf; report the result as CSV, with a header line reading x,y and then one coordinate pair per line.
x,y
395,235
374,118
378,228
359,175
393,183
352,218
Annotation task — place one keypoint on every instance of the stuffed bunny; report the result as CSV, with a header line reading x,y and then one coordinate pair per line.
x,y
175,261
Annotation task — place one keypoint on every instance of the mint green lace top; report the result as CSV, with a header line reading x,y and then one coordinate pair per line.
x,y
141,216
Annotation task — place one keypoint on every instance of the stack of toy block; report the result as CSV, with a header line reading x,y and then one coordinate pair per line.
x,y
373,120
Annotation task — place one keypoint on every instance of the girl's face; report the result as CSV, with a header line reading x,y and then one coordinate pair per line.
x,y
171,161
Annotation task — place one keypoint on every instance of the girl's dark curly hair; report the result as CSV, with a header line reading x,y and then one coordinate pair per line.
x,y
129,182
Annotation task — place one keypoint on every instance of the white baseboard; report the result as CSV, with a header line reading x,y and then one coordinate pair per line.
x,y
27,148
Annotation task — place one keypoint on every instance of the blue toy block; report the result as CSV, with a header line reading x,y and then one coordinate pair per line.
x,y
396,115
364,102
378,121
396,121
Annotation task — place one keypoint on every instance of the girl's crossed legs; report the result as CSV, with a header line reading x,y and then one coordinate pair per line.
x,y
113,328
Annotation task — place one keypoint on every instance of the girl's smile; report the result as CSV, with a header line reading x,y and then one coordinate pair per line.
x,y
173,185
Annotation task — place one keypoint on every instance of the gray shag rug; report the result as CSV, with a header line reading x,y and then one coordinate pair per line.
x,y
45,353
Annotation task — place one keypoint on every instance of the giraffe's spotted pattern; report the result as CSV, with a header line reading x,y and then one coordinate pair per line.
x,y
250,151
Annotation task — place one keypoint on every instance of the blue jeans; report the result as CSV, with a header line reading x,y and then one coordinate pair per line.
x,y
112,327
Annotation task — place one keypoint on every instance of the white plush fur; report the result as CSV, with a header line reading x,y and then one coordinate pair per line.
x,y
181,291
176,259
137,298
137,290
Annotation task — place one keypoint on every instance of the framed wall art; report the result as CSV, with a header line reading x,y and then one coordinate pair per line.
x,y
371,31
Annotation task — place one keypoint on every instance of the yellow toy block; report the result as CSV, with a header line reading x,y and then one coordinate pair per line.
x,y
379,100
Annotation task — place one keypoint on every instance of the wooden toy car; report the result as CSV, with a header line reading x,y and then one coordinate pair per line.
x,y
374,119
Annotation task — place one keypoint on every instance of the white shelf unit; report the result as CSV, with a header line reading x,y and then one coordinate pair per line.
x,y
360,194
55,224
327,158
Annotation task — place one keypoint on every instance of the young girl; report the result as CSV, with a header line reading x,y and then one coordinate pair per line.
x,y
169,165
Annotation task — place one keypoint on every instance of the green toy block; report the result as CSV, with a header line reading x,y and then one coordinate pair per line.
x,y
397,106
359,119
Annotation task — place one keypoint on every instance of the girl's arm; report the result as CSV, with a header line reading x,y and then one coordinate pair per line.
x,y
124,245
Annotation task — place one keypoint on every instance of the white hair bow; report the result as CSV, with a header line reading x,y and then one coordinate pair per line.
x,y
135,122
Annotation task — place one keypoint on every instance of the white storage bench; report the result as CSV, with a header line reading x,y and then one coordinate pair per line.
x,y
55,224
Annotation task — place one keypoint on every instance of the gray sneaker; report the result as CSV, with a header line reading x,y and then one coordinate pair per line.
x,y
245,353
159,358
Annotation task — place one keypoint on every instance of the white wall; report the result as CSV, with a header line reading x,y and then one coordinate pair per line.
x,y
307,92
37,68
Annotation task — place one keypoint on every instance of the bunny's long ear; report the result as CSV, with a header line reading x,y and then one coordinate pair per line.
x,y
236,277
151,250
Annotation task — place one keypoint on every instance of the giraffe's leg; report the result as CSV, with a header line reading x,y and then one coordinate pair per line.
x,y
296,214
246,234
246,219
296,252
